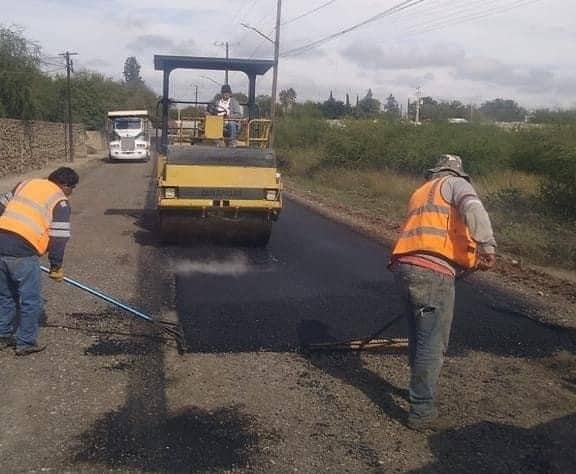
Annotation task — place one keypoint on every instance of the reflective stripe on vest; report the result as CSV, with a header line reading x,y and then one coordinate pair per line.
x,y
29,213
435,227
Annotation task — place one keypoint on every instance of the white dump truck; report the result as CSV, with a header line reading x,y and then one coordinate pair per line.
x,y
128,135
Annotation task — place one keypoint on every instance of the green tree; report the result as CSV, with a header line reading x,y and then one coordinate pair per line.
x,y
368,106
19,72
333,109
132,71
558,116
503,110
263,105
391,108
287,99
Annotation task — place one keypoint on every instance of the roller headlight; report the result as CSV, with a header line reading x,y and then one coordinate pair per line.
x,y
170,193
271,195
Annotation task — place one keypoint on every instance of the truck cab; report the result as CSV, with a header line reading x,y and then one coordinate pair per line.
x,y
128,135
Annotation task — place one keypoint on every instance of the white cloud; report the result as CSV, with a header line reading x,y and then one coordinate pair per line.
x,y
397,56
523,54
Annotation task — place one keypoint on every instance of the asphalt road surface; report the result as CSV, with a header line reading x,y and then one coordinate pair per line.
x,y
108,395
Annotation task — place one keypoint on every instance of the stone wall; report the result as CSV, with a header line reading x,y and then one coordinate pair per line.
x,y
28,145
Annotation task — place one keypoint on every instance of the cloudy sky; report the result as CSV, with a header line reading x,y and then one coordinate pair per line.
x,y
469,50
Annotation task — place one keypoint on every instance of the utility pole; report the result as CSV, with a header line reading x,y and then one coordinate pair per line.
x,y
418,95
69,69
276,43
275,75
227,58
226,44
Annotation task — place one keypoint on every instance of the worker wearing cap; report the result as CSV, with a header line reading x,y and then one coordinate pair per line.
x,y
228,107
447,232
35,220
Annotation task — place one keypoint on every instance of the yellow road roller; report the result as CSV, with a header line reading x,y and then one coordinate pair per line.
x,y
210,186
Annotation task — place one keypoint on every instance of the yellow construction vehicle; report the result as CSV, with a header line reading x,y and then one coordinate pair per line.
x,y
208,189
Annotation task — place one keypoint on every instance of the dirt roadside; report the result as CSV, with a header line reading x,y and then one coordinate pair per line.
x,y
547,295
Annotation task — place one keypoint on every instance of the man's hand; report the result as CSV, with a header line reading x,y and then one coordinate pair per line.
x,y
486,261
56,273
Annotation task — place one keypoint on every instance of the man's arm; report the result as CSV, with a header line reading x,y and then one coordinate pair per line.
x,y
460,193
59,234
235,109
5,197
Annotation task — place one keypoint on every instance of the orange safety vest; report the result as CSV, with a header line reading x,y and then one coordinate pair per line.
x,y
29,212
435,227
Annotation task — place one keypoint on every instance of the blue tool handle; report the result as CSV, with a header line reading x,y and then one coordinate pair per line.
x,y
103,296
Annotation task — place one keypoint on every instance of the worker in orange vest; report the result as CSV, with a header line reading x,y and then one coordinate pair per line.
x,y
35,220
447,232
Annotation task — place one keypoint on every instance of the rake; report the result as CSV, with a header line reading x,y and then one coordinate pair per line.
x,y
168,328
370,342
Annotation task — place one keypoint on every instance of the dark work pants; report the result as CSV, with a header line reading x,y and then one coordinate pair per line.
x,y
428,298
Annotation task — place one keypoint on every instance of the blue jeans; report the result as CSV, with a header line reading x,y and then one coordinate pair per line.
x,y
231,130
20,289
428,299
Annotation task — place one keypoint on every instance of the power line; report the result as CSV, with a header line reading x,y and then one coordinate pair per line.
x,y
55,70
390,11
314,10
259,25
434,13
249,4
48,63
470,16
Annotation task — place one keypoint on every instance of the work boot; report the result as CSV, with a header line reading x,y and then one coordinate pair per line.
x,y
6,342
26,350
427,423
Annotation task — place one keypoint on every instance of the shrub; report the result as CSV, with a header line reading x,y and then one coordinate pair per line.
x,y
559,187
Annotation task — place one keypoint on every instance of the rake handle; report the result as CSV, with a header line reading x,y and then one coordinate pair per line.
x,y
105,297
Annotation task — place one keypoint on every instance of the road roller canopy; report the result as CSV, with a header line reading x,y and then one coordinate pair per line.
x,y
251,67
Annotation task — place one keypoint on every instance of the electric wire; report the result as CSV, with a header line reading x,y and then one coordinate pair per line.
x,y
309,12
467,18
470,9
47,63
440,9
388,12
54,70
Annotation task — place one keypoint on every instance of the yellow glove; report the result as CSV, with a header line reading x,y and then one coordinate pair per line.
x,y
56,273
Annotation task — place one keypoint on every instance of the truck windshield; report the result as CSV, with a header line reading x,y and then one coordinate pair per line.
x,y
127,124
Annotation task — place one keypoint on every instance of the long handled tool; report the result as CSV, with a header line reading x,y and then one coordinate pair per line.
x,y
167,327
370,342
